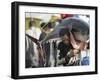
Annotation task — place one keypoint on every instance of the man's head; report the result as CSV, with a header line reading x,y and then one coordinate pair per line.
x,y
46,27
31,23
64,34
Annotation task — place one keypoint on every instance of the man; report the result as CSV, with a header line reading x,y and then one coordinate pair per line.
x,y
83,47
33,31
32,55
64,46
45,27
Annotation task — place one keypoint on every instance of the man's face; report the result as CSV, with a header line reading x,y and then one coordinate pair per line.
x,y
47,30
66,39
